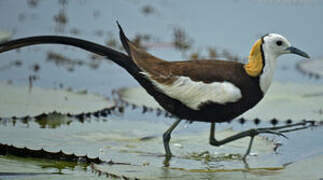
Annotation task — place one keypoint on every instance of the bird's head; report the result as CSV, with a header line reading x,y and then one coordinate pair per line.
x,y
276,45
266,50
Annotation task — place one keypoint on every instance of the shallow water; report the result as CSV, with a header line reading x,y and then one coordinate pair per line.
x,y
232,25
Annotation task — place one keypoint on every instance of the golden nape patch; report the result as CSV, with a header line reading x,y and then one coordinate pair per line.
x,y
255,63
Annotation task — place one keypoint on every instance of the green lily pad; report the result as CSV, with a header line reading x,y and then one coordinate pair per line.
x,y
151,172
283,101
137,142
12,167
290,101
22,101
138,96
297,170
304,169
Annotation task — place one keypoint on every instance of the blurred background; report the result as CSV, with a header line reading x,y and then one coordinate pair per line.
x,y
171,30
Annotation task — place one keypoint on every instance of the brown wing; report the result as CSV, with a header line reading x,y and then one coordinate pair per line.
x,y
207,71
165,72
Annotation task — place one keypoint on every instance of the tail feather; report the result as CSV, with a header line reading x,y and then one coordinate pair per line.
x,y
124,40
117,57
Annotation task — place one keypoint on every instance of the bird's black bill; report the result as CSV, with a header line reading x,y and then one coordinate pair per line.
x,y
294,50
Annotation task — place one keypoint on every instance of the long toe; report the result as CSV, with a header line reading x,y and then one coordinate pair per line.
x,y
273,132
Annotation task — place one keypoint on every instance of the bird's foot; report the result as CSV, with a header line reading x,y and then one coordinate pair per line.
x,y
277,130
167,159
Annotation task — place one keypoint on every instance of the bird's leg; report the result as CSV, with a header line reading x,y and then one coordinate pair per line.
x,y
166,139
251,133
249,148
167,136
278,130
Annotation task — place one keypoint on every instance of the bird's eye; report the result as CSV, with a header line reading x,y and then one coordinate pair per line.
x,y
279,43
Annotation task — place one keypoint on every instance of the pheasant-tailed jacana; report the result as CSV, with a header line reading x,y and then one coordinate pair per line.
x,y
211,91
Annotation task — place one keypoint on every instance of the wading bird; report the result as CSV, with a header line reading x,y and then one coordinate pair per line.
x,y
212,91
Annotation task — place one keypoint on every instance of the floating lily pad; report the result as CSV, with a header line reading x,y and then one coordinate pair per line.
x,y
141,146
312,68
292,101
138,142
287,171
32,168
283,101
151,172
138,96
24,101
304,169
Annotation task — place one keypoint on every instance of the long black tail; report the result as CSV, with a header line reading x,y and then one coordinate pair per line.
x,y
119,58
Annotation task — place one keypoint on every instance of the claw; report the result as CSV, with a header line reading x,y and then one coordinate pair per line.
x,y
278,134
274,132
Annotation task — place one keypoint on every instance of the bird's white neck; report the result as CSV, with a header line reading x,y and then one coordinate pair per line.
x,y
266,77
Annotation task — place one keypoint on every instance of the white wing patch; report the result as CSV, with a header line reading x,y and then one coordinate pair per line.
x,y
193,94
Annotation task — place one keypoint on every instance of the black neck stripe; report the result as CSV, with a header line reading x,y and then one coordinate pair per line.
x,y
262,53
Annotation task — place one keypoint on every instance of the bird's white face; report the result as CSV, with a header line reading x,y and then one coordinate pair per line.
x,y
276,45
273,46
